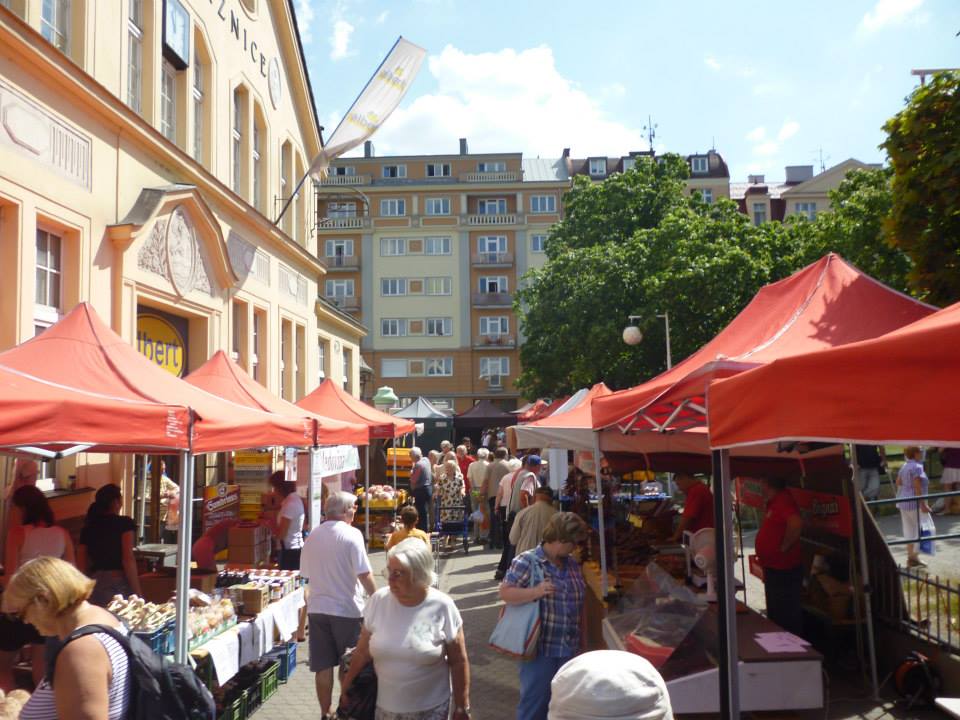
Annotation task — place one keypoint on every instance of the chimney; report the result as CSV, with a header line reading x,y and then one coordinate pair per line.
x,y
463,147
755,179
799,173
368,149
566,153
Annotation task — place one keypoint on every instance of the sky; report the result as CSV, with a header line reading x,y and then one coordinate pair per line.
x,y
766,85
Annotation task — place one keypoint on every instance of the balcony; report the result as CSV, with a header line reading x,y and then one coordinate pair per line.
x,y
493,300
343,223
488,220
495,383
343,263
492,259
490,177
494,342
341,180
347,303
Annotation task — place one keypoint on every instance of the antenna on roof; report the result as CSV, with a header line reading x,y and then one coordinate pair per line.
x,y
713,143
822,157
651,131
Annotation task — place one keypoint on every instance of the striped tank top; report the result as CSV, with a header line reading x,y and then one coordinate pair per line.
x,y
42,705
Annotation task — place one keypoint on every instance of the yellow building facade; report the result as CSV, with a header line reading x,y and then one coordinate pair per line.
x,y
146,147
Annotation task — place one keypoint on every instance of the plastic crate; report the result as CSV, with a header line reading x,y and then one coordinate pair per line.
x,y
287,656
253,698
156,639
237,710
171,638
269,681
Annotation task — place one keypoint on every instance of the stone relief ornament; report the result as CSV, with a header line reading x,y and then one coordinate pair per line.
x,y
172,250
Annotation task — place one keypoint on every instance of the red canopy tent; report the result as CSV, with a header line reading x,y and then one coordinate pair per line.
x,y
222,377
332,402
80,352
826,304
38,414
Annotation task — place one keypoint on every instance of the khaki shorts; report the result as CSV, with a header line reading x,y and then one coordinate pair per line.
x,y
330,636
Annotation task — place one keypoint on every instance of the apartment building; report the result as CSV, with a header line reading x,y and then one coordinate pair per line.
x,y
427,251
801,193
709,174
145,149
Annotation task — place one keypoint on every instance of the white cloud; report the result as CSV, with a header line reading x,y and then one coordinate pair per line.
x,y
712,63
887,12
757,134
304,13
382,17
767,148
340,39
789,129
505,101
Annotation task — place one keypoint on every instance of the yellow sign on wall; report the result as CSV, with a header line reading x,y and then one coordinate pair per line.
x,y
160,342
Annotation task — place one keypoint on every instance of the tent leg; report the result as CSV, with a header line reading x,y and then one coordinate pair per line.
x,y
600,525
366,496
394,464
726,590
142,500
864,573
183,553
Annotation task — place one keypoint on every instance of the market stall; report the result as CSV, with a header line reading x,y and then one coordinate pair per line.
x,y
481,416
437,425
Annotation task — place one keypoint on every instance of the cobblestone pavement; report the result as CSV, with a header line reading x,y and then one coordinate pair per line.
x,y
495,685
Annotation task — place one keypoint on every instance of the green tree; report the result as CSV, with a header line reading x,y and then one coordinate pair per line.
x,y
924,147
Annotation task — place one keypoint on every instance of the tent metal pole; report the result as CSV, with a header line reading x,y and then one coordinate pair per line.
x,y
366,495
600,525
726,590
184,538
394,464
864,572
142,500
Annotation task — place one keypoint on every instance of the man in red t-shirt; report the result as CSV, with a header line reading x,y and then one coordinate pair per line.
x,y
697,506
780,556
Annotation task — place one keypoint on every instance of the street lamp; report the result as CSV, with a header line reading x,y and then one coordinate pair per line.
x,y
385,399
633,336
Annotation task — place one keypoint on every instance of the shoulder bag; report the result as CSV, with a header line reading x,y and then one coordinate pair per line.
x,y
517,632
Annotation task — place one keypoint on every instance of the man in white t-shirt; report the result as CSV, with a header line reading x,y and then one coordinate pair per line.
x,y
335,564
516,493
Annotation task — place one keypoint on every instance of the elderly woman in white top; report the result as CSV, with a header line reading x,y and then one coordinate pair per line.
x,y
450,489
413,633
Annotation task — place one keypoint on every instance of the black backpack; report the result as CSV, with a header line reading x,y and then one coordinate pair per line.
x,y
160,689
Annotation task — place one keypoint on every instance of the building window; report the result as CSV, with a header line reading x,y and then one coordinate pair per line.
x,y
341,209
237,140
394,207
345,367
438,245
168,102
55,23
48,277
492,248
538,243
257,360
393,368
494,367
134,54
390,287
699,164
807,209
495,325
492,206
393,246
197,106
439,367
393,327
344,171
759,213
543,203
256,167
339,248
438,170
629,163
321,360
492,167
394,171
493,284
438,286
598,167
439,327
338,289
437,206
706,194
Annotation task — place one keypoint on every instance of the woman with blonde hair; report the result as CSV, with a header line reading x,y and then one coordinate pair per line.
x,y
91,679
413,633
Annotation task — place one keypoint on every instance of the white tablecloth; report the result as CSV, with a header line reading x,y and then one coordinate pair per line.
x,y
286,614
224,652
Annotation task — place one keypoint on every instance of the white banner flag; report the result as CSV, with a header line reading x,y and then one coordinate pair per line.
x,y
373,106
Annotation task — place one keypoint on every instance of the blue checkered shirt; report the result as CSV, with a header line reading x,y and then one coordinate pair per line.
x,y
560,613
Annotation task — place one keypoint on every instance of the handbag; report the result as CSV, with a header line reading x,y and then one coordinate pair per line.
x,y
517,632
362,695
927,530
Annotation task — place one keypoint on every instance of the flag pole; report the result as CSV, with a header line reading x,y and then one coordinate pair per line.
x,y
286,205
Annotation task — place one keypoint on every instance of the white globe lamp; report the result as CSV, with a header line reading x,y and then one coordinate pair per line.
x,y
632,335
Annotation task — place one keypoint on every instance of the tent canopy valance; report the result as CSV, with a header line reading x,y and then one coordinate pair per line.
x,y
333,402
568,427
422,409
222,377
481,416
82,353
827,304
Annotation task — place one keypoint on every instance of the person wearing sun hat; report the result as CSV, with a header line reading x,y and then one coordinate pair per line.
x,y
609,685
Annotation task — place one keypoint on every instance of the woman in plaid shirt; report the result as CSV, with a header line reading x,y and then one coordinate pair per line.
x,y
562,627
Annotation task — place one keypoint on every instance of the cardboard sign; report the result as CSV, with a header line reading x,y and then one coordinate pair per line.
x,y
220,502
823,512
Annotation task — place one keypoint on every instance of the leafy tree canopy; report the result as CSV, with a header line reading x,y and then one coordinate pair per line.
x,y
924,147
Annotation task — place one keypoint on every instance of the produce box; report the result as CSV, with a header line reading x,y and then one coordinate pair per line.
x,y
251,598
158,587
831,596
250,554
248,535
